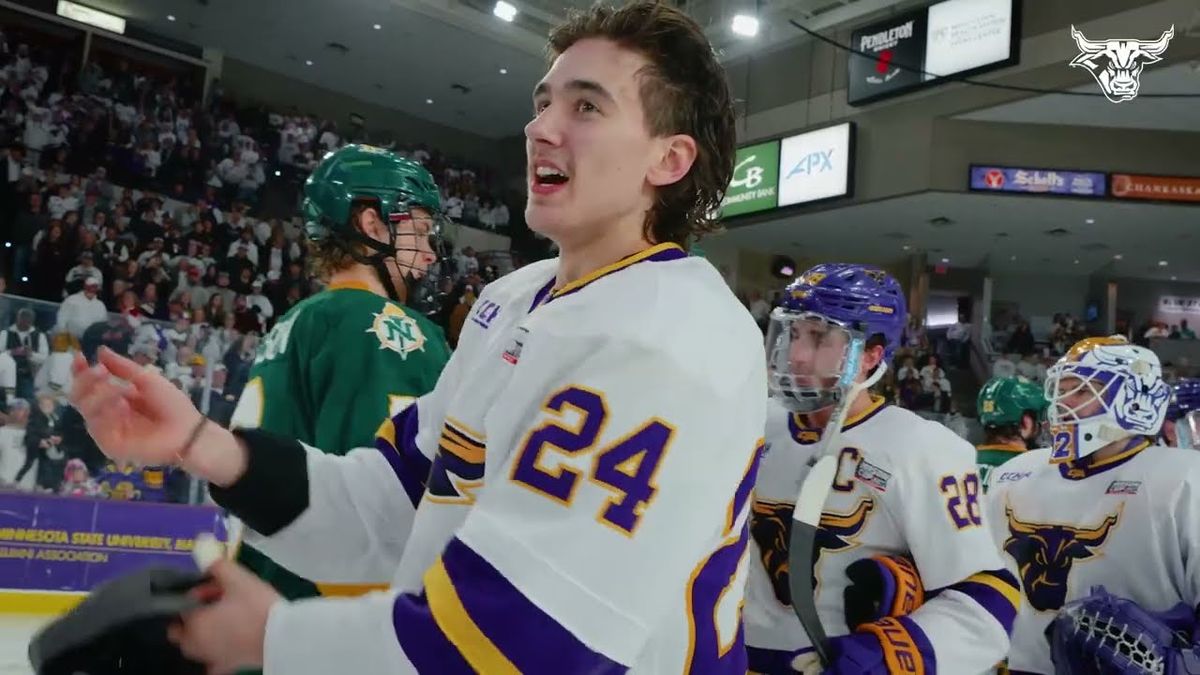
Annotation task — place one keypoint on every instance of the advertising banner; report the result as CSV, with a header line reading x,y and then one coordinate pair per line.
x,y
1156,188
899,40
1037,181
74,543
755,180
815,165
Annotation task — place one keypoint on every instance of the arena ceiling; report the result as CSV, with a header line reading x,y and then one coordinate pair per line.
x,y
423,48
1006,234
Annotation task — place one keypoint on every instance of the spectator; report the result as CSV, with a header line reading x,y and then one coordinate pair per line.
x,y
13,454
25,349
1157,330
81,310
1021,341
1185,332
55,375
1005,366
29,222
53,259
85,270
43,444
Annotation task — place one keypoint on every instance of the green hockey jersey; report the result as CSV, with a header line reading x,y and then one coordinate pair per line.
x,y
328,374
990,456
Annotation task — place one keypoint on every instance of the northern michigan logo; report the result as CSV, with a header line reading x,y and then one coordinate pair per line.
x,y
1117,63
397,331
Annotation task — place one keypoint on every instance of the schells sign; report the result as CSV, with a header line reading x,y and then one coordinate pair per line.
x,y
755,182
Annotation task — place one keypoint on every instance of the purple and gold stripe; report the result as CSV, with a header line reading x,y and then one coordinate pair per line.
x,y
483,620
396,440
1086,467
998,592
658,253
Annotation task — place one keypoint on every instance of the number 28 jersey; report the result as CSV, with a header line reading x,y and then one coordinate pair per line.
x,y
904,486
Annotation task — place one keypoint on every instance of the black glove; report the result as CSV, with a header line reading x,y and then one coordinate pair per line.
x,y
121,628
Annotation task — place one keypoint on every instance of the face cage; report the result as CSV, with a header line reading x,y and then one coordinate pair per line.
x,y
421,285
1102,385
798,393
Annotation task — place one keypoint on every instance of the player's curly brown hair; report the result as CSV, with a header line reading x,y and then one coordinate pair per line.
x,y
330,255
683,91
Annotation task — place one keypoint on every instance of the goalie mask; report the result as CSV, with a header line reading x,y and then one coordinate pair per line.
x,y
1102,391
1183,415
408,203
817,336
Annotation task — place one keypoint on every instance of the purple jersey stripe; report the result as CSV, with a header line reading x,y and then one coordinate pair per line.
x,y
410,466
529,638
425,645
1000,607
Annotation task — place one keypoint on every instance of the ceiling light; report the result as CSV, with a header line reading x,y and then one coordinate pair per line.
x,y
505,11
945,260
906,247
307,62
170,17
1013,258
429,101
1117,256
1173,277
504,71
744,25
278,173
1162,263
377,27
1090,221
1077,261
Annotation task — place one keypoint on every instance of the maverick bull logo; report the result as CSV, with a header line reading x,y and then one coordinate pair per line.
x,y
1045,555
1117,64
771,527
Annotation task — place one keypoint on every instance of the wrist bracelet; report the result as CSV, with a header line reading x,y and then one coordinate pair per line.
x,y
181,454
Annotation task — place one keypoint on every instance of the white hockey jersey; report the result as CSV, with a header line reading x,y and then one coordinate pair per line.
x,y
904,485
1130,523
593,450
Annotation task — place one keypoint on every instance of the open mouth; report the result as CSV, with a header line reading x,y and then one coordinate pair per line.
x,y
549,175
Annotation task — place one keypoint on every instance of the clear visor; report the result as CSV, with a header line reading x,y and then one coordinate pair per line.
x,y
811,360
1076,395
1187,431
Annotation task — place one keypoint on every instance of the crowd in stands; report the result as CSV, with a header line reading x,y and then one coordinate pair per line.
x,y
133,218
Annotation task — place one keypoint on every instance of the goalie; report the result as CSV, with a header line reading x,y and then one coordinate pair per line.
x,y
1103,506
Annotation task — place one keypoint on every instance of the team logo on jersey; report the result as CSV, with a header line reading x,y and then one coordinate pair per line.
x,y
457,471
771,527
397,331
1045,554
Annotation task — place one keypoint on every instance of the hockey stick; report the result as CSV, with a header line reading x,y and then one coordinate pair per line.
x,y
806,517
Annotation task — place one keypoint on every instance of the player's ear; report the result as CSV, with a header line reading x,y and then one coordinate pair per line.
x,y
1028,426
676,155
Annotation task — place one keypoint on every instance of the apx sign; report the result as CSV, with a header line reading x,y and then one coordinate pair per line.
x,y
815,165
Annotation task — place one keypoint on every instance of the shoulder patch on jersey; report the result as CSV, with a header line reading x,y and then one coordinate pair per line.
x,y
872,476
1123,487
513,353
397,331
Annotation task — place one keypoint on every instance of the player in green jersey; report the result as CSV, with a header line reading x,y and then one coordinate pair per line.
x,y
346,359
1011,412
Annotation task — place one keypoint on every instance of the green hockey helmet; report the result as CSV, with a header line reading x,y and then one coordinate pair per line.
x,y
1003,400
357,174
354,173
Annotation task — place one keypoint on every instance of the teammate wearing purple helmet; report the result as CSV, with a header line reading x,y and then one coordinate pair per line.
x,y
1181,429
903,513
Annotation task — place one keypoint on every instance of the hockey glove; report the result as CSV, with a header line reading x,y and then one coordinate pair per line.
x,y
880,587
1104,633
890,645
121,628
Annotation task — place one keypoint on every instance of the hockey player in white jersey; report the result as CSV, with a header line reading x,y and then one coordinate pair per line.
x,y
587,503
1103,506
902,521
